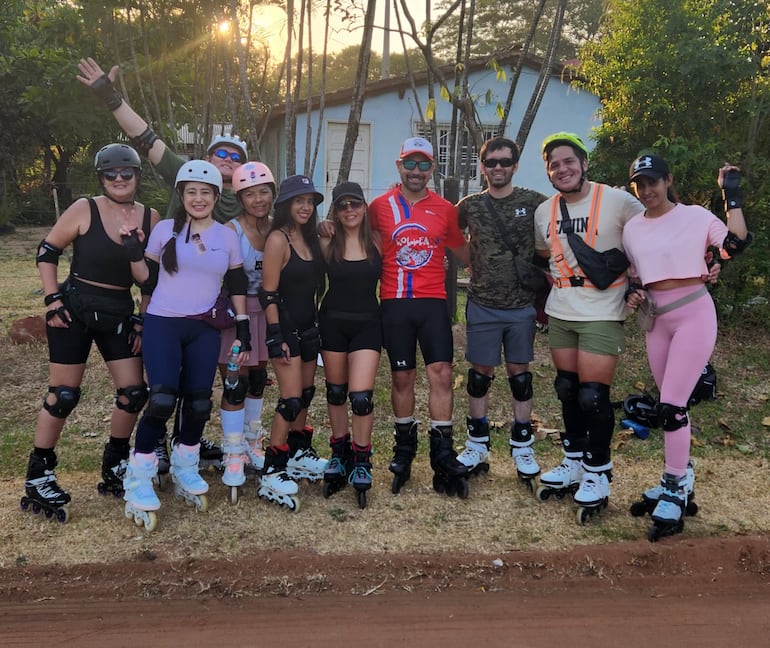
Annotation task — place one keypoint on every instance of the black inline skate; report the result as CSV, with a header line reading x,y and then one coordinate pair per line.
x,y
669,513
114,462
404,452
361,477
449,475
43,494
650,497
340,464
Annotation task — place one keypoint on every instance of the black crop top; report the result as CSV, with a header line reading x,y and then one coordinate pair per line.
x,y
96,257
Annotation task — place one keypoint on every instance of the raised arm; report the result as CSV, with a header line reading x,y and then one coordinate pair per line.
x,y
142,137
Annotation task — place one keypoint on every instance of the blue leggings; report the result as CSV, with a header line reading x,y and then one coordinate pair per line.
x,y
181,354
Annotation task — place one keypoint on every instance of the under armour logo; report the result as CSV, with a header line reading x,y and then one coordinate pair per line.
x,y
401,363
643,163
521,211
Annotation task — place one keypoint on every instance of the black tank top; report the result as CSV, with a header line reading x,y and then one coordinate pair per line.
x,y
298,287
353,285
96,257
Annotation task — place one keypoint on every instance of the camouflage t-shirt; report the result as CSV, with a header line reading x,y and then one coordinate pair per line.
x,y
494,281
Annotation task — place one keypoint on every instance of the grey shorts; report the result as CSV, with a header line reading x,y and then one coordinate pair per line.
x,y
601,337
491,329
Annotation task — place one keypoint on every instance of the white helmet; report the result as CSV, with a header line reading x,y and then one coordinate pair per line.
x,y
199,171
252,174
229,140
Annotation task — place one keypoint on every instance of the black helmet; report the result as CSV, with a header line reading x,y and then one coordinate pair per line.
x,y
641,408
706,387
115,156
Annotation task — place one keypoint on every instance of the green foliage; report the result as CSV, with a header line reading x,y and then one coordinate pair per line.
x,y
692,85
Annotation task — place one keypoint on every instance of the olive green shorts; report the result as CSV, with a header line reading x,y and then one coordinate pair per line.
x,y
602,338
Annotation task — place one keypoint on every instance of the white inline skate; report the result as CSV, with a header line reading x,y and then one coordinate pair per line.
x,y
594,492
562,480
275,485
304,462
234,460
254,435
141,500
188,484
475,456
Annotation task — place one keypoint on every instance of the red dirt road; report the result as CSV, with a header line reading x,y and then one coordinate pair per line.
x,y
695,592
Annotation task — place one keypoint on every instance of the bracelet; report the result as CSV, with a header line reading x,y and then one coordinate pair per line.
x,y
50,299
137,319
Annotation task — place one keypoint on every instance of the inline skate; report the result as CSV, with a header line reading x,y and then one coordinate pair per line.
x,y
164,462
188,484
650,497
304,462
449,475
562,480
667,518
211,455
340,464
361,477
523,455
594,492
475,456
275,485
233,475
42,492
114,462
139,494
404,451
254,435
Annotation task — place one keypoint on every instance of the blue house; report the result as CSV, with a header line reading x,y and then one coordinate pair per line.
x,y
391,114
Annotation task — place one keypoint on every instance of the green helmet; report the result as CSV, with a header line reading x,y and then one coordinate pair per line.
x,y
562,139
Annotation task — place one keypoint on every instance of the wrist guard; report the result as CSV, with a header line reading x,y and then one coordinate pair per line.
x,y
106,93
243,333
731,190
137,319
631,290
274,341
134,248
50,299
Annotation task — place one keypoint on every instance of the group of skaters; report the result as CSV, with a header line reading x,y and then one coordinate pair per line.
x,y
299,286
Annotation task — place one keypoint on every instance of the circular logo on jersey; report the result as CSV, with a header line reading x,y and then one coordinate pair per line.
x,y
414,246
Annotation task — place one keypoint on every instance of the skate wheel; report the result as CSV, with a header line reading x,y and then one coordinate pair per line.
x,y
292,504
202,505
137,520
583,515
62,515
152,521
233,495
529,482
36,508
439,485
101,487
328,489
654,533
639,509
461,488
48,513
24,503
543,493
691,509
395,486
361,499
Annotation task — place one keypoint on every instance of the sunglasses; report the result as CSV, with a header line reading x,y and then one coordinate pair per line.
x,y
491,163
112,175
223,155
196,238
422,165
342,205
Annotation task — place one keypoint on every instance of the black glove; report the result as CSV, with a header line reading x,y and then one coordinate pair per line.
x,y
134,248
106,93
731,189
243,333
274,340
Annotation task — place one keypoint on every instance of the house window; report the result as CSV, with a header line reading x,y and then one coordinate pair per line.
x,y
468,161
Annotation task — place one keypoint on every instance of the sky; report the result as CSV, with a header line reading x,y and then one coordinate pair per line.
x,y
272,28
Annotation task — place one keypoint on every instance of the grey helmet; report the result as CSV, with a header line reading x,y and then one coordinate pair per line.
x,y
199,171
115,156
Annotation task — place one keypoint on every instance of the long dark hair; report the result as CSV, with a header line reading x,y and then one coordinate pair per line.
x,y
365,237
168,256
308,231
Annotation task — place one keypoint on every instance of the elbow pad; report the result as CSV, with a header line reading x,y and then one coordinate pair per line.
x,y
143,143
733,245
267,297
236,281
148,286
47,253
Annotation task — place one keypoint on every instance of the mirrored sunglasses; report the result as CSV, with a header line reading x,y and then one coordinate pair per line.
x,y
349,204
112,175
422,165
491,163
222,154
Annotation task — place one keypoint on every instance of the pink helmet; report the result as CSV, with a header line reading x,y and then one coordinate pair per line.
x,y
252,174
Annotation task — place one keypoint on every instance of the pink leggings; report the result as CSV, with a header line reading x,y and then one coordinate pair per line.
x,y
678,348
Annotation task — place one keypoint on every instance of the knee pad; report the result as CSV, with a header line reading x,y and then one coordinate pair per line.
x,y
161,403
521,386
307,396
672,417
236,395
66,400
566,385
478,383
594,397
196,407
336,394
135,395
289,408
257,381
361,402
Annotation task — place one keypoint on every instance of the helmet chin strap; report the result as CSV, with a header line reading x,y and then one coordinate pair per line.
x,y
117,202
577,189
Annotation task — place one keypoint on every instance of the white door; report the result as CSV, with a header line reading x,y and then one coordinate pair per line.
x,y
359,170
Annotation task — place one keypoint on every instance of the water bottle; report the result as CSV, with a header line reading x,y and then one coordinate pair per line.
x,y
231,375
641,431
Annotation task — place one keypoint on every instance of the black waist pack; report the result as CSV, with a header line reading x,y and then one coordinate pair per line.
x,y
98,311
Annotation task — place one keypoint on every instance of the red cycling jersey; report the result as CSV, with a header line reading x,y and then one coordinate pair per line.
x,y
413,240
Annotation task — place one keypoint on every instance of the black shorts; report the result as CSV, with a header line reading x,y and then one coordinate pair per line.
x,y
405,322
348,332
71,346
